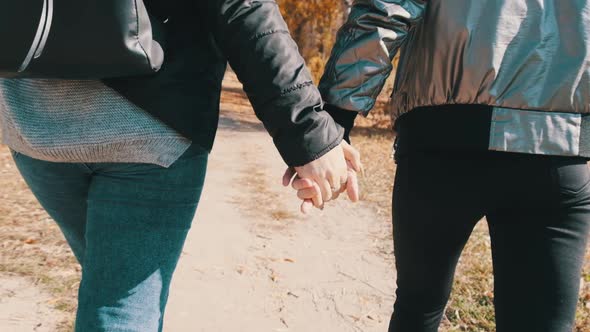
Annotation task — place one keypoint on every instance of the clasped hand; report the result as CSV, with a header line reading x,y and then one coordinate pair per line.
x,y
324,179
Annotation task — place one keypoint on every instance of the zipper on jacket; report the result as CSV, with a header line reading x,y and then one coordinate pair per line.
x,y
41,36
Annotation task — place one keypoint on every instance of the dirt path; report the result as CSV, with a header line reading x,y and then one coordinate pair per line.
x,y
24,307
252,263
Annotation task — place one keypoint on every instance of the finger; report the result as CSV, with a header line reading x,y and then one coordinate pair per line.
x,y
341,188
325,188
306,206
352,156
362,172
300,183
335,186
288,176
318,201
308,193
352,187
344,181
337,194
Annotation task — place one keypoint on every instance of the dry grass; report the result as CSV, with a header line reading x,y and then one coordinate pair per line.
x,y
471,306
31,245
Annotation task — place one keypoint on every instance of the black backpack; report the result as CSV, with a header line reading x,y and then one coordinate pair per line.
x,y
77,39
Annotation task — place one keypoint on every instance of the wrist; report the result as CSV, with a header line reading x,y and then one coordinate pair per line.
x,y
342,117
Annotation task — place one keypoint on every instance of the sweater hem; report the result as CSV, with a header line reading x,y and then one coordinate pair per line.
x,y
162,151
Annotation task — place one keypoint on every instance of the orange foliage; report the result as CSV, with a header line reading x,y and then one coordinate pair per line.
x,y
313,25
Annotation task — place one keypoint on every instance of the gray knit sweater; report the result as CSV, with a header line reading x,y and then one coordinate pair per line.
x,y
82,121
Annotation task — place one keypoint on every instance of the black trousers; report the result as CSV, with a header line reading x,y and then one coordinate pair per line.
x,y
538,210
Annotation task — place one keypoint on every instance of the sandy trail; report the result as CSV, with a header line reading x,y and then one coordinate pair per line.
x,y
243,269
24,307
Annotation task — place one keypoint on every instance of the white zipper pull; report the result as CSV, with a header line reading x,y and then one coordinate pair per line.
x,y
46,30
40,36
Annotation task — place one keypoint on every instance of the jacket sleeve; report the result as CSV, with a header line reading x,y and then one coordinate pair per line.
x,y
256,41
366,44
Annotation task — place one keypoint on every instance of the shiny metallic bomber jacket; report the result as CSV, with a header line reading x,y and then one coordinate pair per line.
x,y
530,59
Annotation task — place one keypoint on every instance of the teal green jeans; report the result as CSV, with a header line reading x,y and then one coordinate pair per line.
x,y
126,224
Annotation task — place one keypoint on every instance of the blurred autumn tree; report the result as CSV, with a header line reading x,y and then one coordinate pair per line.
x,y
314,24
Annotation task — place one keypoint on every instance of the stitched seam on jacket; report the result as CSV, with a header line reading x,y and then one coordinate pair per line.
x,y
296,88
268,33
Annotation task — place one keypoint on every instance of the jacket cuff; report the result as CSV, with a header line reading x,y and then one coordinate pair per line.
x,y
321,134
342,117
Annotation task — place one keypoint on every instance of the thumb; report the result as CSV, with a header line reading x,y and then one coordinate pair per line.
x,y
288,176
352,156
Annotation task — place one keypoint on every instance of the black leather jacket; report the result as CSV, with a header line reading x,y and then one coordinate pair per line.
x,y
200,38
